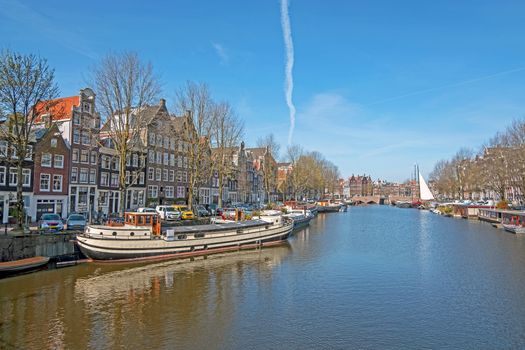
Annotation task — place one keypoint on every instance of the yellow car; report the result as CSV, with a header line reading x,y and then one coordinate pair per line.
x,y
186,213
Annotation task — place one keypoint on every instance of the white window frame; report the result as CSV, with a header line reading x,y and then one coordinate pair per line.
x,y
42,177
58,163
46,160
56,176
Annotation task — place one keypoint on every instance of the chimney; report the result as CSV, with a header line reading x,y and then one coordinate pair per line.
x,y
162,105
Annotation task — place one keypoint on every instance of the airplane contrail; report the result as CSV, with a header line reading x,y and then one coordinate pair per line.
x,y
460,83
288,82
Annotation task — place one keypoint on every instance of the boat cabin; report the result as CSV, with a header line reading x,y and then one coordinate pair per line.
x,y
139,220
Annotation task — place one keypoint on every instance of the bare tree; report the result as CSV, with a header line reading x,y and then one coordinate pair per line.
x,y
26,84
195,102
293,154
226,134
125,86
268,165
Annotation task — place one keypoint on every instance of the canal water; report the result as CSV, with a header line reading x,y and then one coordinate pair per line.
x,y
374,277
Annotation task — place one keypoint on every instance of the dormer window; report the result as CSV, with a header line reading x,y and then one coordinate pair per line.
x,y
86,107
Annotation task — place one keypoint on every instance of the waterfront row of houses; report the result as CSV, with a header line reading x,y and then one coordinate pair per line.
x,y
363,185
73,166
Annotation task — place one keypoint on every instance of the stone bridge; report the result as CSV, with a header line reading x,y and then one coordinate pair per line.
x,y
366,200
392,199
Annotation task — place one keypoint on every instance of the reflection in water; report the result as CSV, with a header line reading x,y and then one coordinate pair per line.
x,y
110,305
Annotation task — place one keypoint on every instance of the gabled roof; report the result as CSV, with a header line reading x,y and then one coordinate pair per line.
x,y
58,109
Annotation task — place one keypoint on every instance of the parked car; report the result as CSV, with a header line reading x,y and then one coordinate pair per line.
x,y
186,213
51,222
201,211
212,208
146,210
168,212
76,222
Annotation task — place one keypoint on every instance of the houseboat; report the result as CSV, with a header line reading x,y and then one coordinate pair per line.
x,y
327,206
301,218
140,237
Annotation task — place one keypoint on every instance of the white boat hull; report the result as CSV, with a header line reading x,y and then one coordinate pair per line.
x,y
186,241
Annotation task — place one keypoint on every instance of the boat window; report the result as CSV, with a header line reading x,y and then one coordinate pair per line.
x,y
148,219
114,233
132,233
267,226
101,233
181,237
141,220
239,231
199,235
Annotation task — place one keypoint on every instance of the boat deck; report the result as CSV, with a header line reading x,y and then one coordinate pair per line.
x,y
219,227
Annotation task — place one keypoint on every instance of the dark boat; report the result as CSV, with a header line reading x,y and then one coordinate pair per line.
x,y
23,265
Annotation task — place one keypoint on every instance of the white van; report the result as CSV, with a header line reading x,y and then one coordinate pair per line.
x,y
168,212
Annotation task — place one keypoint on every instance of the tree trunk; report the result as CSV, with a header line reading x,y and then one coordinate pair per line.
x,y
122,181
19,196
219,202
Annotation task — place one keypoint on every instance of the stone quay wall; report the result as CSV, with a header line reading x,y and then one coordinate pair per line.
x,y
55,246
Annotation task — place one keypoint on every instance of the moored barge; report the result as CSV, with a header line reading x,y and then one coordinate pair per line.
x,y
140,237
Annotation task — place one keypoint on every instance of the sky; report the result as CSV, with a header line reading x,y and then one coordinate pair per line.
x,y
377,85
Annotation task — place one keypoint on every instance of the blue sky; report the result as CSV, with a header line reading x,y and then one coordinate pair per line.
x,y
378,85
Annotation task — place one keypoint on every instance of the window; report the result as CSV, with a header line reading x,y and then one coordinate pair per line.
x,y
3,148
75,155
142,161
128,177
180,146
2,175
46,160
57,183
141,178
185,162
29,153
54,143
135,160
115,163
179,161
181,192
159,140
172,176
172,144
85,138
128,161
84,156
153,191
169,191
185,176
76,119
152,139
83,178
166,142
93,157
104,178
114,180
165,175
26,177
158,174
166,158
159,157
172,160
179,176
59,161
92,176
12,177
105,162
13,152
151,156
76,136
103,198
86,107
74,174
151,174
45,182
